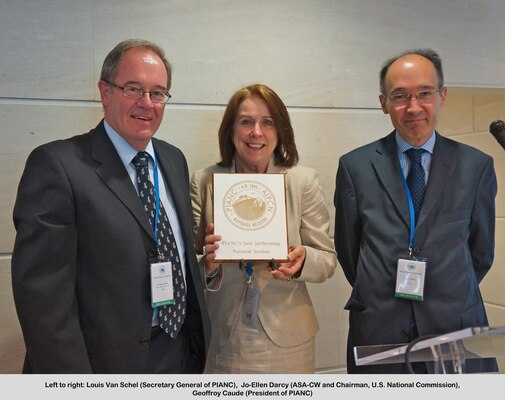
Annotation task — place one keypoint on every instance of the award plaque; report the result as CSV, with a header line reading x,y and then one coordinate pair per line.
x,y
250,215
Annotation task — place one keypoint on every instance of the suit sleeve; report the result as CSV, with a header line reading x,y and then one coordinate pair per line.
x,y
44,268
347,223
320,261
482,226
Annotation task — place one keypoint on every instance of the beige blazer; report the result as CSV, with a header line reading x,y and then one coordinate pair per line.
x,y
285,308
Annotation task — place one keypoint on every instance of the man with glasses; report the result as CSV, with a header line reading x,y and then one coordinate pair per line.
x,y
415,220
104,272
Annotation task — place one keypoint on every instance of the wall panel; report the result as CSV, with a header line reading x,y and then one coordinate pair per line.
x,y
47,49
12,348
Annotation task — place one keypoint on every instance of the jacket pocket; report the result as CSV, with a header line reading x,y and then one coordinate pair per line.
x,y
473,316
453,216
354,305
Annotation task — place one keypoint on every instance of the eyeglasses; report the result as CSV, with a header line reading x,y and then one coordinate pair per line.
x,y
133,92
423,96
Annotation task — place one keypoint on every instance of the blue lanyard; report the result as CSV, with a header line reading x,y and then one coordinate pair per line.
x,y
248,267
411,210
157,197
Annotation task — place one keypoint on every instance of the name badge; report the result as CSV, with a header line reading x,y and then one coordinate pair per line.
x,y
410,276
162,286
251,305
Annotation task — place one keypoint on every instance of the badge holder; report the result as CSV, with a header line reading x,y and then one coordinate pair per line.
x,y
252,297
410,277
162,289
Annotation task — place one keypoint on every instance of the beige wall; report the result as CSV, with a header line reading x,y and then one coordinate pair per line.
x,y
466,118
321,56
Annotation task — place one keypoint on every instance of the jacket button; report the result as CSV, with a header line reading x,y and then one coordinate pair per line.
x,y
152,253
404,333
144,341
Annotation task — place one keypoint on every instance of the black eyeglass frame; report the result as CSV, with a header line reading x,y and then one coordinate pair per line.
x,y
141,92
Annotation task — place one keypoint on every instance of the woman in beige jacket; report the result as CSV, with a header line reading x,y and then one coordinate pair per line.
x,y
256,136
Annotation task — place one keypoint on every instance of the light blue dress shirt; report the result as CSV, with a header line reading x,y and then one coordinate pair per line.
x,y
402,146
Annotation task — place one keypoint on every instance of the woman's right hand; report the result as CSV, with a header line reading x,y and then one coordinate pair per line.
x,y
209,249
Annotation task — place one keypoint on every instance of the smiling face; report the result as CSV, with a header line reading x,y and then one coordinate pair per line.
x,y
254,136
415,120
136,120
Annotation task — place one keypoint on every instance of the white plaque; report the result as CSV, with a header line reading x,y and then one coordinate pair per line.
x,y
250,215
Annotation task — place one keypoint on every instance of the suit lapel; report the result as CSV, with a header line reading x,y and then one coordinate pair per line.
x,y
112,172
174,178
275,169
387,167
440,170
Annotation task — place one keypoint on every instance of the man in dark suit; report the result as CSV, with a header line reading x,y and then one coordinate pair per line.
x,y
384,219
88,259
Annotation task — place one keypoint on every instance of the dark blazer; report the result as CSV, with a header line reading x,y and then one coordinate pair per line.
x,y
455,232
80,266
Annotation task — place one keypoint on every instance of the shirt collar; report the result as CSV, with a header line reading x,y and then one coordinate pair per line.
x,y
123,148
402,145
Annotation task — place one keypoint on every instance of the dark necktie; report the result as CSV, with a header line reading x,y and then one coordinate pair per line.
x,y
171,316
415,179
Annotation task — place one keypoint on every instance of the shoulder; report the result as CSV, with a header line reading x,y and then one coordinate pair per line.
x,y
165,149
299,177
460,151
204,176
370,151
300,172
79,142
64,149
